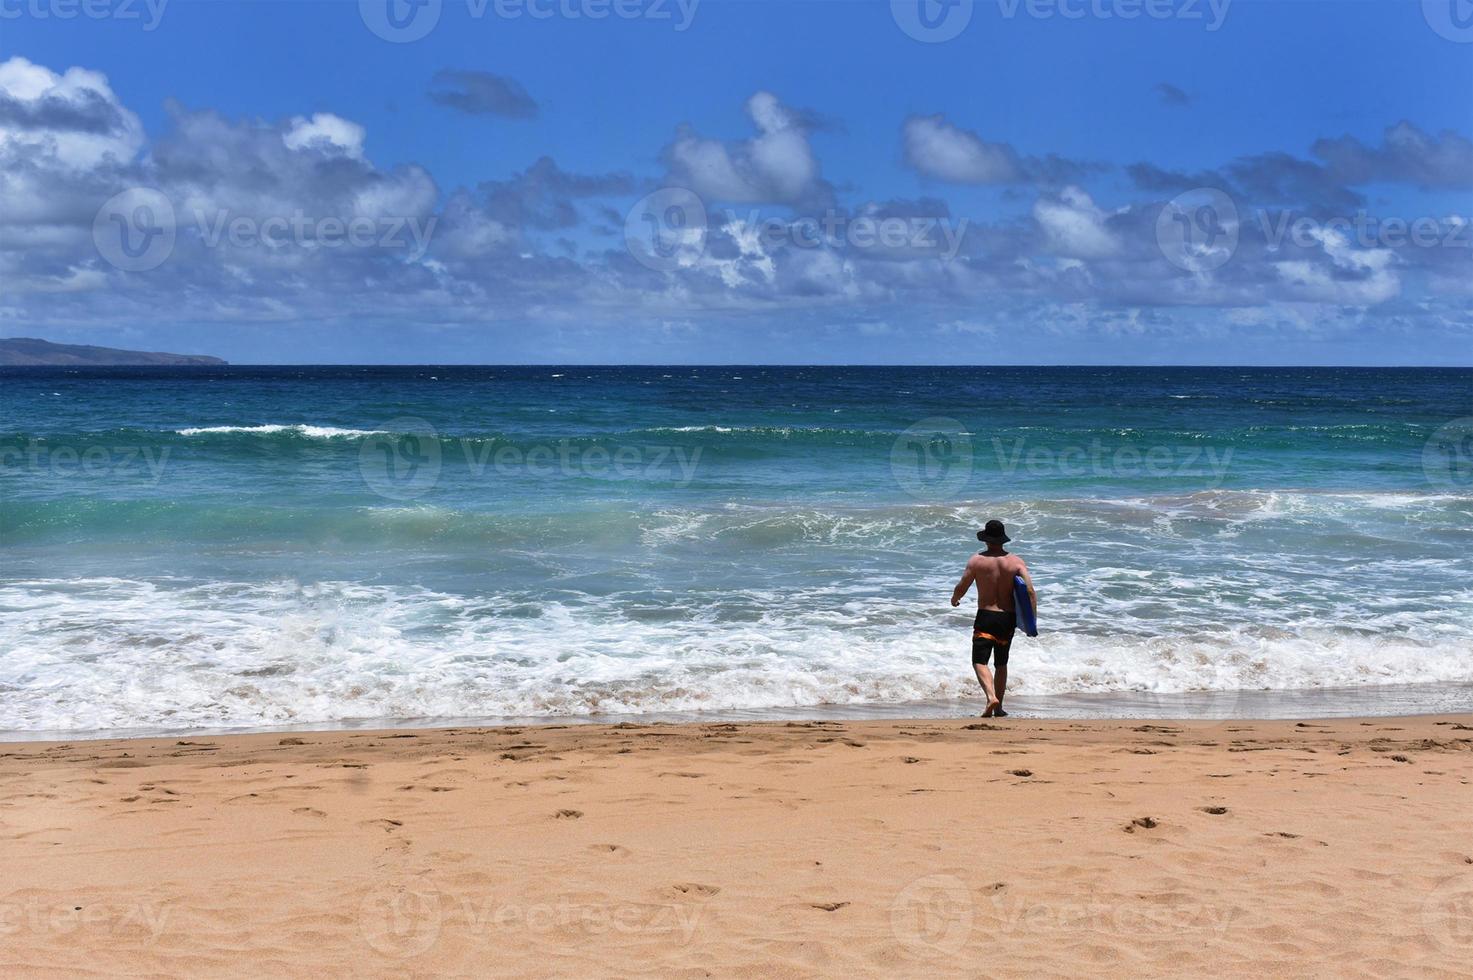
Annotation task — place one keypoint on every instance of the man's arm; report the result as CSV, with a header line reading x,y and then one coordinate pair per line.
x,y
1028,580
958,593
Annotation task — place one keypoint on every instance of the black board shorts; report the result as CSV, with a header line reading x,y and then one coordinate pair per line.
x,y
992,632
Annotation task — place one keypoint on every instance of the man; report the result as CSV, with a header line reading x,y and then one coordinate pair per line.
x,y
992,632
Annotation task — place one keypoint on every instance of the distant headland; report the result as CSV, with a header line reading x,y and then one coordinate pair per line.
x,y
26,351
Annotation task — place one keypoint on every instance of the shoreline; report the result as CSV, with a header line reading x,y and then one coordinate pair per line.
x,y
799,848
1366,701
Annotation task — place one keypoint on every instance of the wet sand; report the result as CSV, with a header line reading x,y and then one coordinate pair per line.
x,y
920,848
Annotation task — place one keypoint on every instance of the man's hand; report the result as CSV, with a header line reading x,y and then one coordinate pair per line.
x,y
958,593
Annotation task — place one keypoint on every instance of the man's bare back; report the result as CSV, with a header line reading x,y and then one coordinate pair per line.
x,y
993,576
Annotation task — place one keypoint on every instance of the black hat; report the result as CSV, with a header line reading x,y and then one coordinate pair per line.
x,y
994,532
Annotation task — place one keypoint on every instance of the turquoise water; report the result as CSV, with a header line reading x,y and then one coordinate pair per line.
x,y
266,546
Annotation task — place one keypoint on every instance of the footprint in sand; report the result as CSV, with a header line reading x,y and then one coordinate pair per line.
x,y
1145,823
828,906
609,849
694,888
1214,810
568,814
389,826
456,857
307,811
1021,772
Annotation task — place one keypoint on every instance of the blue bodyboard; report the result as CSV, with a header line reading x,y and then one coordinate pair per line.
x,y
1023,605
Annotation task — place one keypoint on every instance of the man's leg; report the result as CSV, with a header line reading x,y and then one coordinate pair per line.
x,y
1001,684
982,647
984,675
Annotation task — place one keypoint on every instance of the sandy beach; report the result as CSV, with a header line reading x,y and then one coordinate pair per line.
x,y
1051,848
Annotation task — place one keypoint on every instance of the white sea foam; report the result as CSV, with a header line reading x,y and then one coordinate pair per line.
x,y
809,605
108,653
773,431
307,431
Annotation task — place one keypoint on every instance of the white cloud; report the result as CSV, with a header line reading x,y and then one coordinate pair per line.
x,y
938,149
215,166
325,132
72,118
1075,226
1354,277
776,166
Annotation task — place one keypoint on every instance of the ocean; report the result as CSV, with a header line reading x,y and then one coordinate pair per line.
x,y
245,547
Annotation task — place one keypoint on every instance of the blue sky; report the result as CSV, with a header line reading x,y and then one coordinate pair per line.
x,y
1032,174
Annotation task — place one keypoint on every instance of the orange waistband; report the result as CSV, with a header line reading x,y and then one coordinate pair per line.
x,y
979,635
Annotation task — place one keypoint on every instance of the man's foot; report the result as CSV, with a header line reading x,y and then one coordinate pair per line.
x,y
993,707
999,713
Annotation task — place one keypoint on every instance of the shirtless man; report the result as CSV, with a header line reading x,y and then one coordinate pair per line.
x,y
993,571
